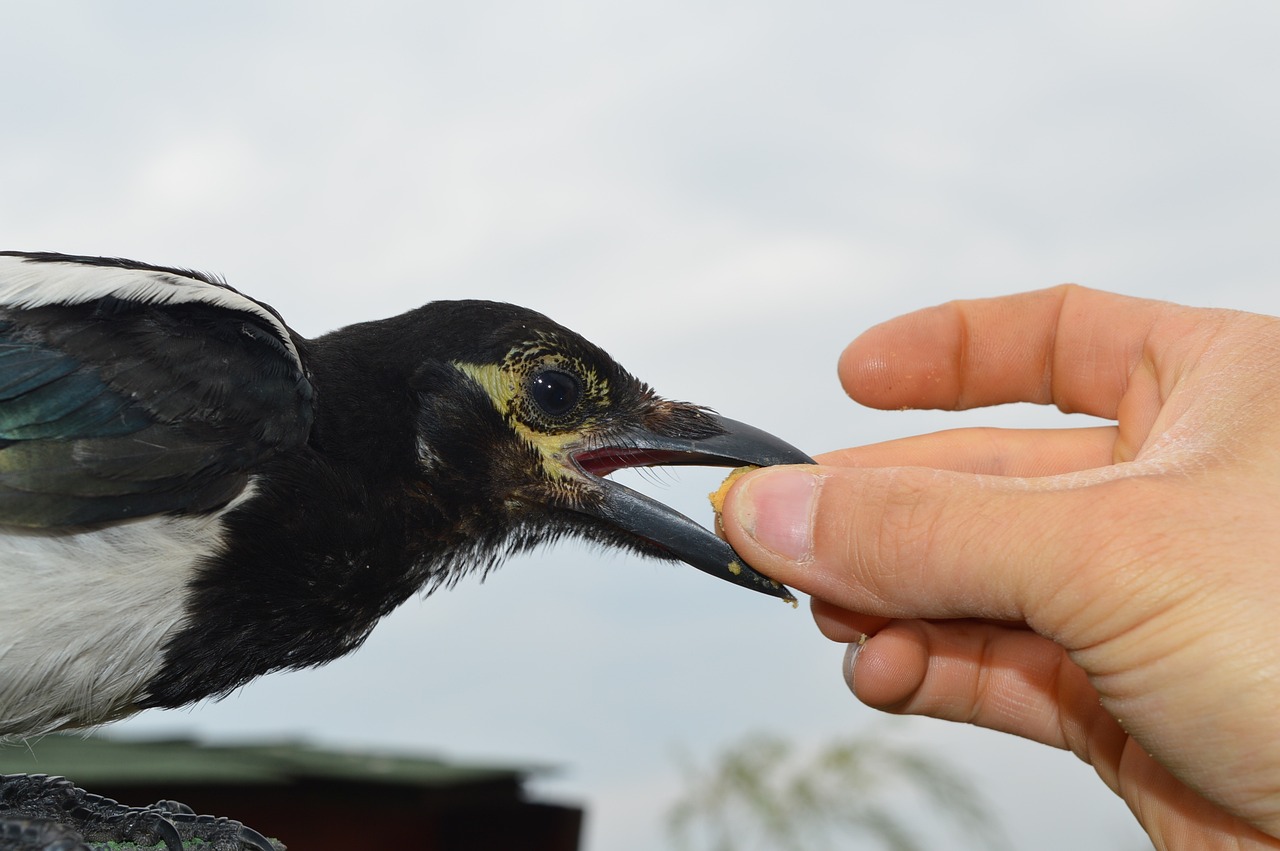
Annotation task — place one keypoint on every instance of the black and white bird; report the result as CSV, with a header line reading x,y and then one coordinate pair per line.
x,y
192,494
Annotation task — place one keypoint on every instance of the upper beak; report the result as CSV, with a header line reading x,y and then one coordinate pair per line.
x,y
739,444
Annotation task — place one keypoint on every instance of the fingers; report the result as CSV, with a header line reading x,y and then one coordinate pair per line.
x,y
988,451
1068,346
911,542
846,627
1003,679
1015,681
874,540
842,625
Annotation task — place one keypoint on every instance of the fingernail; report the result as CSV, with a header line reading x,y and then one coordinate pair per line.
x,y
776,508
851,661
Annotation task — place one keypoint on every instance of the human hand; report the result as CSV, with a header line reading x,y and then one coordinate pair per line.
x,y
1113,590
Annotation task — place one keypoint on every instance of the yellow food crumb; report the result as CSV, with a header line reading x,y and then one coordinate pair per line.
x,y
717,498
717,504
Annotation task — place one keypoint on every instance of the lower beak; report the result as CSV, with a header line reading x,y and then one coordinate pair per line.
x,y
736,445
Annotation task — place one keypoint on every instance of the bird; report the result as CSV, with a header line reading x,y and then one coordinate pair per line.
x,y
192,494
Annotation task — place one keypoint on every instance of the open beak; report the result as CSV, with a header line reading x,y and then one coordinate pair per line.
x,y
738,445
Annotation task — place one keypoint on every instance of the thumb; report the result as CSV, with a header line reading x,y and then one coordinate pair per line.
x,y
910,542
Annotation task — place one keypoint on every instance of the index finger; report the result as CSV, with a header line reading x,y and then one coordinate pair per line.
x,y
1068,346
988,451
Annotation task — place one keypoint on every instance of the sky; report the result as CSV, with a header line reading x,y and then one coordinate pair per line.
x,y
722,195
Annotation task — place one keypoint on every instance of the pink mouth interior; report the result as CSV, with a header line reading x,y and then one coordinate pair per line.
x,y
602,462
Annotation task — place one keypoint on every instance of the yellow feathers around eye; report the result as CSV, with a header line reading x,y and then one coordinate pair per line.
x,y
505,384
499,382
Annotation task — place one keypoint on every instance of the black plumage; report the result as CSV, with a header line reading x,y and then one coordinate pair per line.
x,y
192,495
268,498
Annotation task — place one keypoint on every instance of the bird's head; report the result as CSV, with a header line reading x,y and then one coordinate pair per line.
x,y
520,420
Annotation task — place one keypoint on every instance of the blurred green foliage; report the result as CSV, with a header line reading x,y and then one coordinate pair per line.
x,y
764,792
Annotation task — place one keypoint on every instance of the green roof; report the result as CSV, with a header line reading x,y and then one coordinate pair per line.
x,y
95,759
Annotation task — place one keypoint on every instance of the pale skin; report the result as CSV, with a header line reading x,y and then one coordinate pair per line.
x,y
1114,590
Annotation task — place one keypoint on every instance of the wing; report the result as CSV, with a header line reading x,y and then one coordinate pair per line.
x,y
128,390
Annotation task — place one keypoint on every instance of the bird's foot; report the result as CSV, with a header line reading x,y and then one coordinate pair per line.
x,y
21,834
42,813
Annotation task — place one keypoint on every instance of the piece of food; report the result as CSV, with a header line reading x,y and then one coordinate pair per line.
x,y
718,497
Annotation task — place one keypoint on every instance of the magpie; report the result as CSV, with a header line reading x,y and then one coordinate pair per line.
x,y
192,494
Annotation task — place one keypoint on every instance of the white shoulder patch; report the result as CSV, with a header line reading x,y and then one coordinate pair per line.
x,y
25,283
85,615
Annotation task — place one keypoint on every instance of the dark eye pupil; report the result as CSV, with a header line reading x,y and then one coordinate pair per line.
x,y
555,392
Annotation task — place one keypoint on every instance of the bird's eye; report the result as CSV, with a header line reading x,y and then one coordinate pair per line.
x,y
555,392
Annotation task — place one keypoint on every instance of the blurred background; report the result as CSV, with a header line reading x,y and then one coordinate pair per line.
x,y
722,195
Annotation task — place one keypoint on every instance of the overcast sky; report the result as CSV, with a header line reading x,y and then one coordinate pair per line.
x,y
722,194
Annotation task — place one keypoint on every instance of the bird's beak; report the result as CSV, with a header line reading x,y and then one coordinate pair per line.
x,y
739,444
